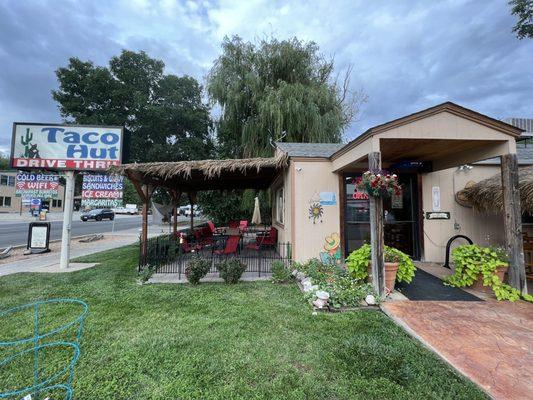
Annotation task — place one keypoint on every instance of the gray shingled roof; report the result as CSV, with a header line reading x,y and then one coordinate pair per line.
x,y
525,154
309,149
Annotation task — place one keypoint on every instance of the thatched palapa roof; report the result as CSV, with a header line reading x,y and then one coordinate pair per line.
x,y
486,196
246,173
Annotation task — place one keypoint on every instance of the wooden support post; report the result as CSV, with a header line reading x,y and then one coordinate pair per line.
x,y
376,231
513,222
145,193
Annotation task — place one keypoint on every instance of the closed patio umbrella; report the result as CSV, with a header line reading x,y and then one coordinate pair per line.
x,y
256,218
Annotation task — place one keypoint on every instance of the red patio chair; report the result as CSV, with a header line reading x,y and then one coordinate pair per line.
x,y
265,239
233,224
185,246
206,238
257,244
268,239
232,245
212,227
243,225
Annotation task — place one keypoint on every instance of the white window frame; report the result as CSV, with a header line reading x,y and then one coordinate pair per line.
x,y
3,201
280,205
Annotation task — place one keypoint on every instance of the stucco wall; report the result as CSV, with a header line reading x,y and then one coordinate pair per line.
x,y
310,179
482,229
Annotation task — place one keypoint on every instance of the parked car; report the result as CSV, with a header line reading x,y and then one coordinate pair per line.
x,y
130,209
187,210
98,215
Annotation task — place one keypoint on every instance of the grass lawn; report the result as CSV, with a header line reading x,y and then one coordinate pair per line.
x,y
214,341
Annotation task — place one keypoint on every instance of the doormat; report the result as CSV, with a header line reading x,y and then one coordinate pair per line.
x,y
425,286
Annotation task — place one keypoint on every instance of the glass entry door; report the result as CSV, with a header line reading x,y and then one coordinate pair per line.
x,y
401,217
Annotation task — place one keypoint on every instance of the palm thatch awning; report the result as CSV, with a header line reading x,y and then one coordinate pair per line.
x,y
193,176
486,196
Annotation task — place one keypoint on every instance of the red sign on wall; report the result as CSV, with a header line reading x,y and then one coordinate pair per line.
x,y
360,195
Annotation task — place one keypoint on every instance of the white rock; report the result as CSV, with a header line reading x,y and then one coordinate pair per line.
x,y
322,295
370,300
314,313
319,303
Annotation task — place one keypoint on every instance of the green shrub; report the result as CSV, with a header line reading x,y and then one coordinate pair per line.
x,y
146,273
280,273
358,261
472,261
318,271
231,270
347,292
197,268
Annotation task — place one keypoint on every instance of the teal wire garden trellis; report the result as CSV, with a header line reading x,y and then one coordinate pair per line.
x,y
42,341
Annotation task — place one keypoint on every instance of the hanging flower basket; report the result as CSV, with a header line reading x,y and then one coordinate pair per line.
x,y
379,184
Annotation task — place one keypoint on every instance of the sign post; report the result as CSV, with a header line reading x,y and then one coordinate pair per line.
x,y
67,220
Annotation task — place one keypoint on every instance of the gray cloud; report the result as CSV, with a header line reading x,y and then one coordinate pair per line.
x,y
407,55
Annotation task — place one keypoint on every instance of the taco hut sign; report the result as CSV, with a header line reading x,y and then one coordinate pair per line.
x,y
65,147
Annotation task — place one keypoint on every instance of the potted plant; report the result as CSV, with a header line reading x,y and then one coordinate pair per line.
x,y
378,184
482,269
398,265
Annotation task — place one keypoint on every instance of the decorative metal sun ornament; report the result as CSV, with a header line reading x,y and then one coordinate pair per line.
x,y
315,212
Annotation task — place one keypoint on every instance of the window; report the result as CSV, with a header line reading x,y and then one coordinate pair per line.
x,y
56,203
3,180
280,206
5,201
11,181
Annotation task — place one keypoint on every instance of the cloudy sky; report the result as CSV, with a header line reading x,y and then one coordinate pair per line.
x,y
406,54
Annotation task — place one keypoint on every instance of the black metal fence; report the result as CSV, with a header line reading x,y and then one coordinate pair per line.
x,y
166,256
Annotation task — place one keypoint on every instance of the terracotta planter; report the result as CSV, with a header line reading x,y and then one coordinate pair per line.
x,y
478,283
390,274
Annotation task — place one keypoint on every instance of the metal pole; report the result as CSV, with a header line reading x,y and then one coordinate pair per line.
x,y
67,220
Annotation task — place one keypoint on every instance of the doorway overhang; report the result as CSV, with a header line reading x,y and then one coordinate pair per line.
x,y
447,135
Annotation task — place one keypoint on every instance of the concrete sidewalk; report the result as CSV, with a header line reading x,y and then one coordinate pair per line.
x,y
490,342
47,262
27,217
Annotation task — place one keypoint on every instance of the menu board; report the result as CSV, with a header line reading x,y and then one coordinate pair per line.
x,y
38,237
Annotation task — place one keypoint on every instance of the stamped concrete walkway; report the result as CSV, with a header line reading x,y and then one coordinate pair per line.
x,y
490,342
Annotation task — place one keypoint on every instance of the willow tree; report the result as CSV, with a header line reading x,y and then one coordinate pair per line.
x,y
276,90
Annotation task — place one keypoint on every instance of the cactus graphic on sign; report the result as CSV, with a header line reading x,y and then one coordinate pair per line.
x,y
30,150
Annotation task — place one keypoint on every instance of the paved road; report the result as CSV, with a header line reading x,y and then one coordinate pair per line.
x,y
16,233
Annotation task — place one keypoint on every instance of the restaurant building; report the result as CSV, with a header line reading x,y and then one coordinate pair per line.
x,y
435,153
318,212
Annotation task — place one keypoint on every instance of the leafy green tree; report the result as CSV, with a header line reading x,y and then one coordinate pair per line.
x,y
164,113
130,195
274,90
4,162
523,9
